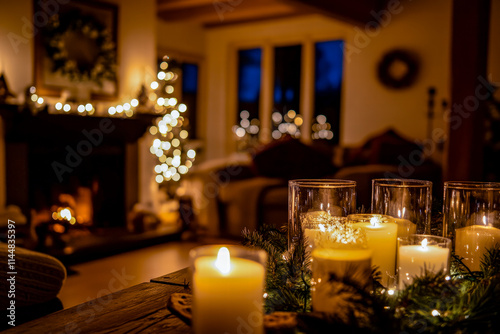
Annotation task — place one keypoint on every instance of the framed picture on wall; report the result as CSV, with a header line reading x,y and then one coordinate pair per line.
x,y
76,49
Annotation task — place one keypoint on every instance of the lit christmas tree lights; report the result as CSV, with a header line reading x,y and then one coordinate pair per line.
x,y
170,130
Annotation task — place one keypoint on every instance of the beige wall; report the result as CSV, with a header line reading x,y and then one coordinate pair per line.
x,y
184,38
136,59
136,43
16,61
368,107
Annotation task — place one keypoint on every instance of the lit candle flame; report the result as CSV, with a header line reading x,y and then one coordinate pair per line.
x,y
399,213
223,262
424,243
375,221
484,220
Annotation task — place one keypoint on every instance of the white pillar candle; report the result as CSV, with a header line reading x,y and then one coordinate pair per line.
x,y
412,259
227,294
352,263
381,238
471,243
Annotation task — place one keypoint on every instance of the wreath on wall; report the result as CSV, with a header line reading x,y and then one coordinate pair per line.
x,y
398,69
80,47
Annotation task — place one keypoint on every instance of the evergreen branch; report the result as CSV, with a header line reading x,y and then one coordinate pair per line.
x,y
460,271
490,262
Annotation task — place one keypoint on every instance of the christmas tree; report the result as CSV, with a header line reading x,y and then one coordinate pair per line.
x,y
170,130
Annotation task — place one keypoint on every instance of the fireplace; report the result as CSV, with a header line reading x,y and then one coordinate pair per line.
x,y
74,177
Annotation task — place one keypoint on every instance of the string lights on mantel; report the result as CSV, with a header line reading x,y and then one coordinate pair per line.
x,y
169,129
65,107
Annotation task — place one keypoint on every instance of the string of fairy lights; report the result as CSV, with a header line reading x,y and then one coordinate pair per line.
x,y
169,130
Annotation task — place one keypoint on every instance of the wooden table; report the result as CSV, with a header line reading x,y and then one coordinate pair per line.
x,y
138,309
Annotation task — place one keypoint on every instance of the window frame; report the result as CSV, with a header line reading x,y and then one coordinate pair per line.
x,y
267,82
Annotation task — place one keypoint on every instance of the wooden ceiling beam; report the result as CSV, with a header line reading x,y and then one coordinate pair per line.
x,y
358,12
163,5
219,12
223,12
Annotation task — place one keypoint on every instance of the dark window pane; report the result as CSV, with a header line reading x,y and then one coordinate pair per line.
x,y
287,70
190,94
189,78
327,90
249,72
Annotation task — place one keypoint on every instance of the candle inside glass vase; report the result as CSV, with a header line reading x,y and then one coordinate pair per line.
x,y
228,284
339,256
315,222
419,254
381,234
472,242
310,201
471,218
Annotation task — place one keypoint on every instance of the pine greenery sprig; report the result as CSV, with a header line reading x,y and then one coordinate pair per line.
x,y
288,275
461,301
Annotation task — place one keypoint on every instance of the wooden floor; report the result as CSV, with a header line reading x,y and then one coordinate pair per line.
x,y
100,277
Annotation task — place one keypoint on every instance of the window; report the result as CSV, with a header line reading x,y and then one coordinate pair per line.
x,y
190,94
328,58
319,63
249,76
287,70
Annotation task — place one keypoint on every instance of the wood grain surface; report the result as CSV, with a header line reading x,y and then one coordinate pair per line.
x,y
138,309
179,277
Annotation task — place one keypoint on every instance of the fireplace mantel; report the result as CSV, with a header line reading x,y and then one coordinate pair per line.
x,y
34,142
21,126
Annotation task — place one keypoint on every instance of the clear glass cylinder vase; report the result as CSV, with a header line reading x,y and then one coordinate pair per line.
x,y
421,253
406,199
313,202
471,218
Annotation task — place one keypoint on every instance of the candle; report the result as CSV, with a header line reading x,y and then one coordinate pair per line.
x,y
315,222
412,259
339,263
471,243
227,294
405,227
381,238
310,235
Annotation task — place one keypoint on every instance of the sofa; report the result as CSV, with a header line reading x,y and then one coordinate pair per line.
x,y
247,190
